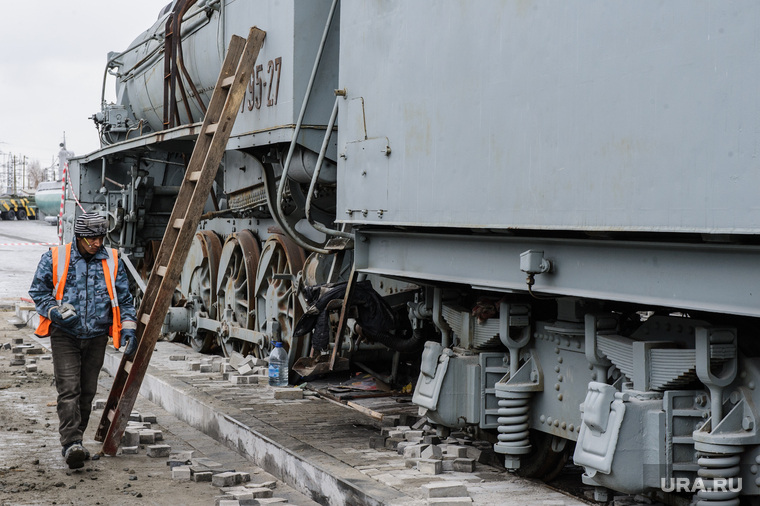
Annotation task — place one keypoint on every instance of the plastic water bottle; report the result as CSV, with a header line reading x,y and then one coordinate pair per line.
x,y
278,366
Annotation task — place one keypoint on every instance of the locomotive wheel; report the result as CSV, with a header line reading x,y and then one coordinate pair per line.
x,y
237,270
276,293
543,462
198,283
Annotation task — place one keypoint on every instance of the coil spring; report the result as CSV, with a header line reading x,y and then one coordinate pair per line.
x,y
721,465
513,423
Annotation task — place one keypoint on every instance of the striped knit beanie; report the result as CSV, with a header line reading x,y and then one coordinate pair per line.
x,y
91,225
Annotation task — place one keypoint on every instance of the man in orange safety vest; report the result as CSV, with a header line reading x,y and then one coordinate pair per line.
x,y
82,297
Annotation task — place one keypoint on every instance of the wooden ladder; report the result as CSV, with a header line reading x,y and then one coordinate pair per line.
x,y
201,171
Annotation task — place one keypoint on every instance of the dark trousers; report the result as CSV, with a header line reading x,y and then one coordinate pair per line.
x,y
76,365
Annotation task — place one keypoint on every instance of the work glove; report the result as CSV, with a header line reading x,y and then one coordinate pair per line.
x,y
129,338
64,317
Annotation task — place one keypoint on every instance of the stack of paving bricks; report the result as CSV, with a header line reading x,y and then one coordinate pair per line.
x,y
424,450
239,370
234,485
21,352
236,369
140,434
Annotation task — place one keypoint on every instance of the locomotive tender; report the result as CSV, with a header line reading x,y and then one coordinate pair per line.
x,y
558,199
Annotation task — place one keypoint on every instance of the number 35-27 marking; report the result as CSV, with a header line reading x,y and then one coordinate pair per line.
x,y
260,79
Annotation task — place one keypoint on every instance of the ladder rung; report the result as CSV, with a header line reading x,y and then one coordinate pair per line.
x,y
145,318
127,367
227,81
211,129
111,414
161,271
178,223
194,176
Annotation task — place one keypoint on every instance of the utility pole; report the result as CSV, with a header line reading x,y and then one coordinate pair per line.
x,y
23,174
14,174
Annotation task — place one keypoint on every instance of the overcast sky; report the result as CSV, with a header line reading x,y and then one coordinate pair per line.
x,y
52,58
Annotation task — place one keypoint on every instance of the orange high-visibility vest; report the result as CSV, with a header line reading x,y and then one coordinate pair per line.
x,y
62,256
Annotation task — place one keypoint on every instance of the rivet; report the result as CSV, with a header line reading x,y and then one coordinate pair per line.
x,y
757,459
564,425
559,397
571,427
556,386
753,469
559,360
556,368
549,420
590,366
556,423
556,350
559,378
593,376
751,385
542,418
757,482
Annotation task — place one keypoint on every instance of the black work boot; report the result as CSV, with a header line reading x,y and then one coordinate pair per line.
x,y
75,455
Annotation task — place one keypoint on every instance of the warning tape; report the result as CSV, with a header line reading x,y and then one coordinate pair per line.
x,y
29,244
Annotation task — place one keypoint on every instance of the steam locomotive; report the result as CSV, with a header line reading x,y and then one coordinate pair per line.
x,y
552,205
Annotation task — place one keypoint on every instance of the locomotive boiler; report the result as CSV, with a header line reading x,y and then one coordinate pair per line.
x,y
554,203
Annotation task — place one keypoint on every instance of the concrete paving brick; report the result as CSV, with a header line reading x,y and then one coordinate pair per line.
x,y
261,492
236,379
413,451
392,442
464,465
147,437
430,466
288,393
202,476
432,452
148,418
402,445
205,368
31,368
413,434
194,365
156,451
99,404
245,369
455,451
129,450
227,502
177,358
445,489
272,500
181,473
134,416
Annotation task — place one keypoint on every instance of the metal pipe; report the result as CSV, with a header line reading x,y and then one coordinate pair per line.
x,y
438,318
315,177
283,179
